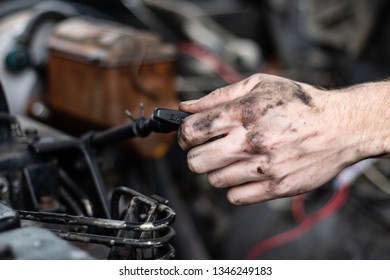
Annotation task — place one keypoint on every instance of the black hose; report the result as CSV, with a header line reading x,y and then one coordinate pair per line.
x,y
75,190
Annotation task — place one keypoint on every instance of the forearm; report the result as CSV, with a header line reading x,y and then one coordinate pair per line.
x,y
368,117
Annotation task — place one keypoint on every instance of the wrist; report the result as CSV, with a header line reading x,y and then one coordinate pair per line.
x,y
368,118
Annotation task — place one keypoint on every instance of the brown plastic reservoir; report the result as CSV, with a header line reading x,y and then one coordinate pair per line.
x,y
99,69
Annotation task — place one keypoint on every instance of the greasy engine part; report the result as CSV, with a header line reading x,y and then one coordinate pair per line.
x,y
8,218
144,234
33,243
52,181
98,69
137,204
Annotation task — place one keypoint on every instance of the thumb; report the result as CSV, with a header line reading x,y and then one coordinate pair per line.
x,y
219,96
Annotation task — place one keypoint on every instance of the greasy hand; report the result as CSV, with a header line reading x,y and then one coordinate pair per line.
x,y
280,138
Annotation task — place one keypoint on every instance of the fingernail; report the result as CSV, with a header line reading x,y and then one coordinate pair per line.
x,y
189,102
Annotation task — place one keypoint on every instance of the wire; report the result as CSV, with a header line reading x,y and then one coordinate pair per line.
x,y
334,205
140,51
145,15
377,178
298,208
225,71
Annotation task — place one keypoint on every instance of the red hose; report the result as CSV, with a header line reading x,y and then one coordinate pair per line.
x,y
220,67
334,205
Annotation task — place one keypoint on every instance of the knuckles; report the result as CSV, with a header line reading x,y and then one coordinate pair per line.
x,y
216,181
194,163
185,135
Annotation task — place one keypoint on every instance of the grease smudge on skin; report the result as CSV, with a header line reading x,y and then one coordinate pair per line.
x,y
303,96
206,122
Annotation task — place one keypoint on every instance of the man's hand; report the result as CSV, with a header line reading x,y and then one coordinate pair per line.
x,y
268,137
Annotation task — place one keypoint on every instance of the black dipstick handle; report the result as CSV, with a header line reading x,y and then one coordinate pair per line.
x,y
162,120
168,119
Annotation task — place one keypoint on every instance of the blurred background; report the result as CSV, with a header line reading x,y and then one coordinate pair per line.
x,y
71,69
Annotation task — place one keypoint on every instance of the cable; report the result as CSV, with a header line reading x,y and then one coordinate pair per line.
x,y
377,178
149,19
342,184
298,208
225,71
333,206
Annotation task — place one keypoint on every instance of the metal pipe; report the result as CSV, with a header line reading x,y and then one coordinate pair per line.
x,y
116,241
57,218
100,188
